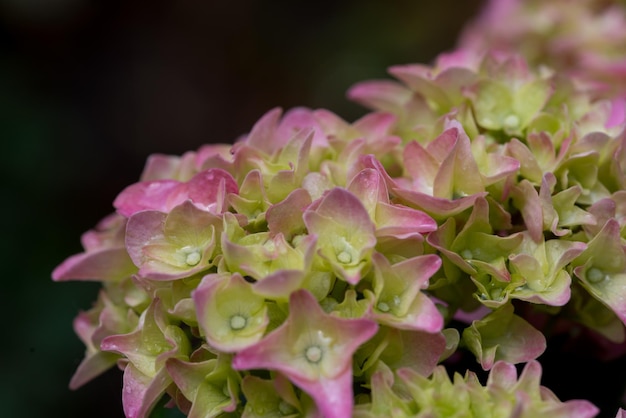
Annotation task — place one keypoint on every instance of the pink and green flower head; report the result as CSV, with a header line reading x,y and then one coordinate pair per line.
x,y
399,301
208,383
104,319
601,268
345,233
230,315
314,351
271,398
393,221
502,335
146,350
476,249
168,246
278,266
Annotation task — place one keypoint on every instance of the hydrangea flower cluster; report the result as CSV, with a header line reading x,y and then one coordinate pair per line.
x,y
584,38
324,268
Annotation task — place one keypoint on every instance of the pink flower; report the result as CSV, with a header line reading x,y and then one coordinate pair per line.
x,y
314,350
168,246
345,233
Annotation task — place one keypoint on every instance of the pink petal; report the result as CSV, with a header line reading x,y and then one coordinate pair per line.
x,y
152,195
112,264
141,393
380,95
209,188
143,227
262,134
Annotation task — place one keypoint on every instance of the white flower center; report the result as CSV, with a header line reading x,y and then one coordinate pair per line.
x,y
595,275
344,257
314,354
193,258
383,307
511,122
237,322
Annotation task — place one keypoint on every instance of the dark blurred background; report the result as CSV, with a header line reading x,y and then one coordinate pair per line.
x,y
89,89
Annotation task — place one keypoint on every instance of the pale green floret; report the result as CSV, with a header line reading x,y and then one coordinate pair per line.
x,y
314,354
238,322
595,275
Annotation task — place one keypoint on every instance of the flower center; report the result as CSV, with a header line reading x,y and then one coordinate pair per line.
x,y
237,322
383,307
595,275
193,258
344,257
511,122
314,354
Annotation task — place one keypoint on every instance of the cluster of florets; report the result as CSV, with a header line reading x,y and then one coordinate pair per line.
x,y
585,39
324,268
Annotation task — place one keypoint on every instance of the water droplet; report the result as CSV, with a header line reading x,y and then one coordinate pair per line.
x,y
314,354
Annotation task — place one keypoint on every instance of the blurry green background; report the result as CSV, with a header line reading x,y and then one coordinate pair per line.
x,y
89,89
